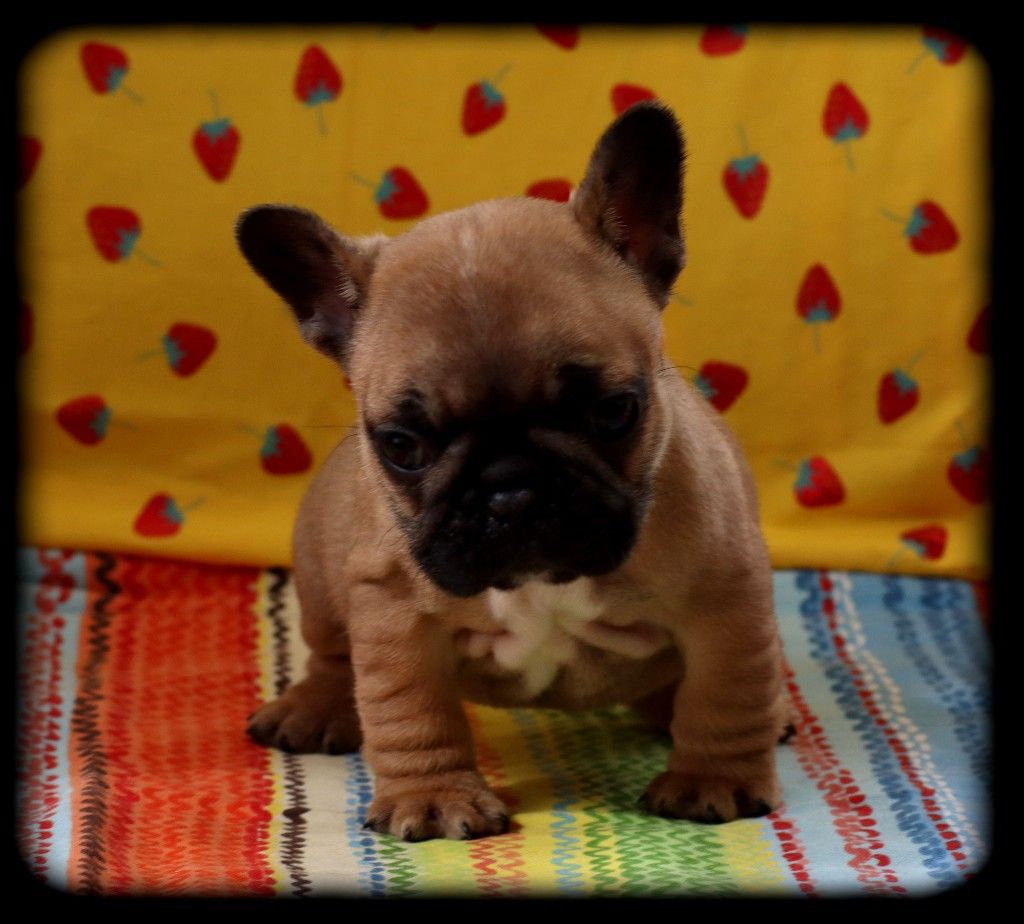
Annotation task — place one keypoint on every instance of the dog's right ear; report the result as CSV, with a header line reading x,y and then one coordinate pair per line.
x,y
321,274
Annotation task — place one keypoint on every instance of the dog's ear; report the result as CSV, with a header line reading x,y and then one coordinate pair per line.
x,y
321,274
633,191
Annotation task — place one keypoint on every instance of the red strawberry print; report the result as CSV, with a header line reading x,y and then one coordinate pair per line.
x,y
844,118
968,472
818,300
927,541
723,40
558,190
105,68
115,232
746,180
625,95
85,418
817,484
977,339
483,105
284,452
928,228
947,47
216,144
317,81
161,516
898,393
29,151
398,194
721,383
566,37
26,327
187,347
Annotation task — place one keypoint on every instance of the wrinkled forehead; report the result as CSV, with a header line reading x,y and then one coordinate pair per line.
x,y
499,306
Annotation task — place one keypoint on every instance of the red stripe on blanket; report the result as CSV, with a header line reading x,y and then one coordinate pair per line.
x,y
852,814
188,795
498,860
787,833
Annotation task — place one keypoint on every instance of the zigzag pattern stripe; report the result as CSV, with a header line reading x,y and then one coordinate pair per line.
x,y
293,839
656,856
535,729
969,700
887,750
91,810
498,860
966,721
182,676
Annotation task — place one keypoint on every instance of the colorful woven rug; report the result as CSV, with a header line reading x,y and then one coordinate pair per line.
x,y
136,777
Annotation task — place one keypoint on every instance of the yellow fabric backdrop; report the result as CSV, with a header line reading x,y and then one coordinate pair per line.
x,y
812,389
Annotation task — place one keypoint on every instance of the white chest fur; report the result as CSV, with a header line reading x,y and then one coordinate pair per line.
x,y
542,623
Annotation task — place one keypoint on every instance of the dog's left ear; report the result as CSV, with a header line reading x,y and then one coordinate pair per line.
x,y
633,192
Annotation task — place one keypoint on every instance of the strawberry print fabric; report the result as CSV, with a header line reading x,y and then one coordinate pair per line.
x,y
834,306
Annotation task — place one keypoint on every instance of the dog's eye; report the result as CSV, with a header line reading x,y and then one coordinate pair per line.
x,y
403,450
616,415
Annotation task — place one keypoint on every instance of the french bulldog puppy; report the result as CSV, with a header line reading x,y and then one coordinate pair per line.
x,y
534,508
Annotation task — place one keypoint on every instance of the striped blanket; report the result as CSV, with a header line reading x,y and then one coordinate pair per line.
x,y
136,777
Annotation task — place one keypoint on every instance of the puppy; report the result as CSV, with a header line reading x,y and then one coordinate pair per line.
x,y
535,508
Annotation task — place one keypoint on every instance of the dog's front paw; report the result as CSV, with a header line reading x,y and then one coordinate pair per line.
x,y
710,799
425,809
314,716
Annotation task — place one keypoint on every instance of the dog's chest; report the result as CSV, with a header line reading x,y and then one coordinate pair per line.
x,y
541,626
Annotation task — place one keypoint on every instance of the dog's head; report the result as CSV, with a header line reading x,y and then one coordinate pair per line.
x,y
505,358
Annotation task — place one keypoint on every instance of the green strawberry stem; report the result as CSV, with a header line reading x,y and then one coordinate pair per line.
x,y
682,300
913,360
149,354
895,557
193,505
363,180
501,74
744,150
848,144
117,422
245,428
963,434
892,216
216,107
785,464
320,118
152,261
924,54
817,337
131,94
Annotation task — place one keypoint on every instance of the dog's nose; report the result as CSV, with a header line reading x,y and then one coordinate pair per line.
x,y
512,502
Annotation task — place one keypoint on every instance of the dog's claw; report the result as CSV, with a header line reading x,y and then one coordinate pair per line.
x,y
505,822
466,832
762,808
711,814
788,732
